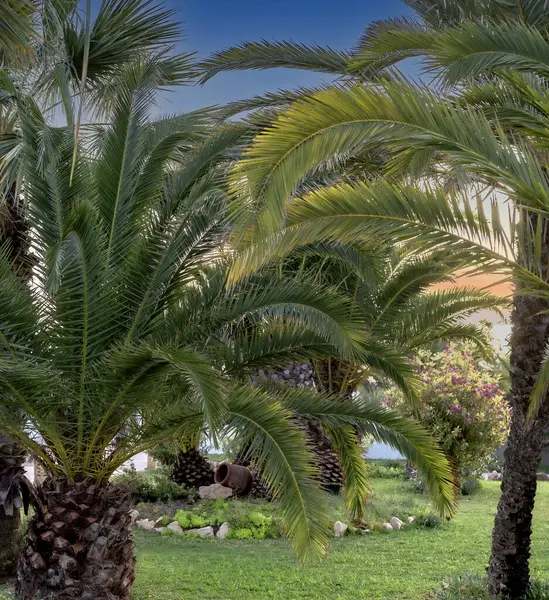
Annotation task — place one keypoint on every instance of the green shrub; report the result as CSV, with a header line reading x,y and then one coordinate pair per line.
x,y
254,524
202,515
462,404
474,587
151,485
469,486
188,520
163,521
428,521
387,469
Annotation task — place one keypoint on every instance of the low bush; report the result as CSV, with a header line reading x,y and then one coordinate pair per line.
x,y
469,486
245,520
475,587
428,521
151,485
386,469
255,525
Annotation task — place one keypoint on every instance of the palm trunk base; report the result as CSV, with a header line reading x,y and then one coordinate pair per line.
x,y
9,543
508,573
79,544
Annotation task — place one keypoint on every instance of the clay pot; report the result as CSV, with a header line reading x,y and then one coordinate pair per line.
x,y
234,477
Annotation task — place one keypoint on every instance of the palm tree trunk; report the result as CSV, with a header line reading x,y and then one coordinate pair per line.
x,y
9,548
508,572
79,543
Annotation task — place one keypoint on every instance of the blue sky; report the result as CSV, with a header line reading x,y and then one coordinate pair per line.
x,y
210,25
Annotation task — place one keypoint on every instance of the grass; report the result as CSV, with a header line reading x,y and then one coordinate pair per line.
x,y
406,565
401,565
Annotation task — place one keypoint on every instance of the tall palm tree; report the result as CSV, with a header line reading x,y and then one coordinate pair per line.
x,y
49,66
489,137
128,338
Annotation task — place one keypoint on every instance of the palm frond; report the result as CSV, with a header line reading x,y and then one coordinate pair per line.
x,y
368,417
279,450
268,55
407,120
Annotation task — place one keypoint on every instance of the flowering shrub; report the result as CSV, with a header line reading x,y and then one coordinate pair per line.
x,y
462,404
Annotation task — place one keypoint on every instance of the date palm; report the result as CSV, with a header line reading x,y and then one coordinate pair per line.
x,y
128,338
489,137
49,66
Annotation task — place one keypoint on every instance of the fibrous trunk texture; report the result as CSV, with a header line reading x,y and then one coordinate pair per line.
x,y
9,543
509,571
79,543
326,458
13,496
191,469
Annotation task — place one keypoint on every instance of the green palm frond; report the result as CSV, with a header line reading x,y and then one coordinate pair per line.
x,y
407,120
429,218
268,55
475,49
16,30
366,416
345,442
279,451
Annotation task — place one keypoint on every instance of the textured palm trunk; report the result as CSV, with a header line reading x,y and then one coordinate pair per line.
x,y
318,376
192,470
9,547
508,572
79,543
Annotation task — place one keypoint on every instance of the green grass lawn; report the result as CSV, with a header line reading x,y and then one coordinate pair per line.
x,y
405,564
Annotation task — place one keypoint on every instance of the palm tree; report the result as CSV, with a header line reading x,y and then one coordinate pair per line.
x,y
332,374
128,338
49,66
489,137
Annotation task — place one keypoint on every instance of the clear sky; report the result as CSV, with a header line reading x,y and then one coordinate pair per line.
x,y
211,25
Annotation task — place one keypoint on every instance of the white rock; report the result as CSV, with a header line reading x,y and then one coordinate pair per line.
x,y
411,520
222,531
134,515
340,528
160,529
542,476
214,491
494,476
386,527
396,523
202,532
145,524
175,527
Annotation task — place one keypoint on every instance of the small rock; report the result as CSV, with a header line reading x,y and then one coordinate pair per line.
x,y
134,515
202,532
162,522
175,527
222,531
145,524
411,520
340,528
542,476
494,476
160,529
386,527
214,491
396,523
